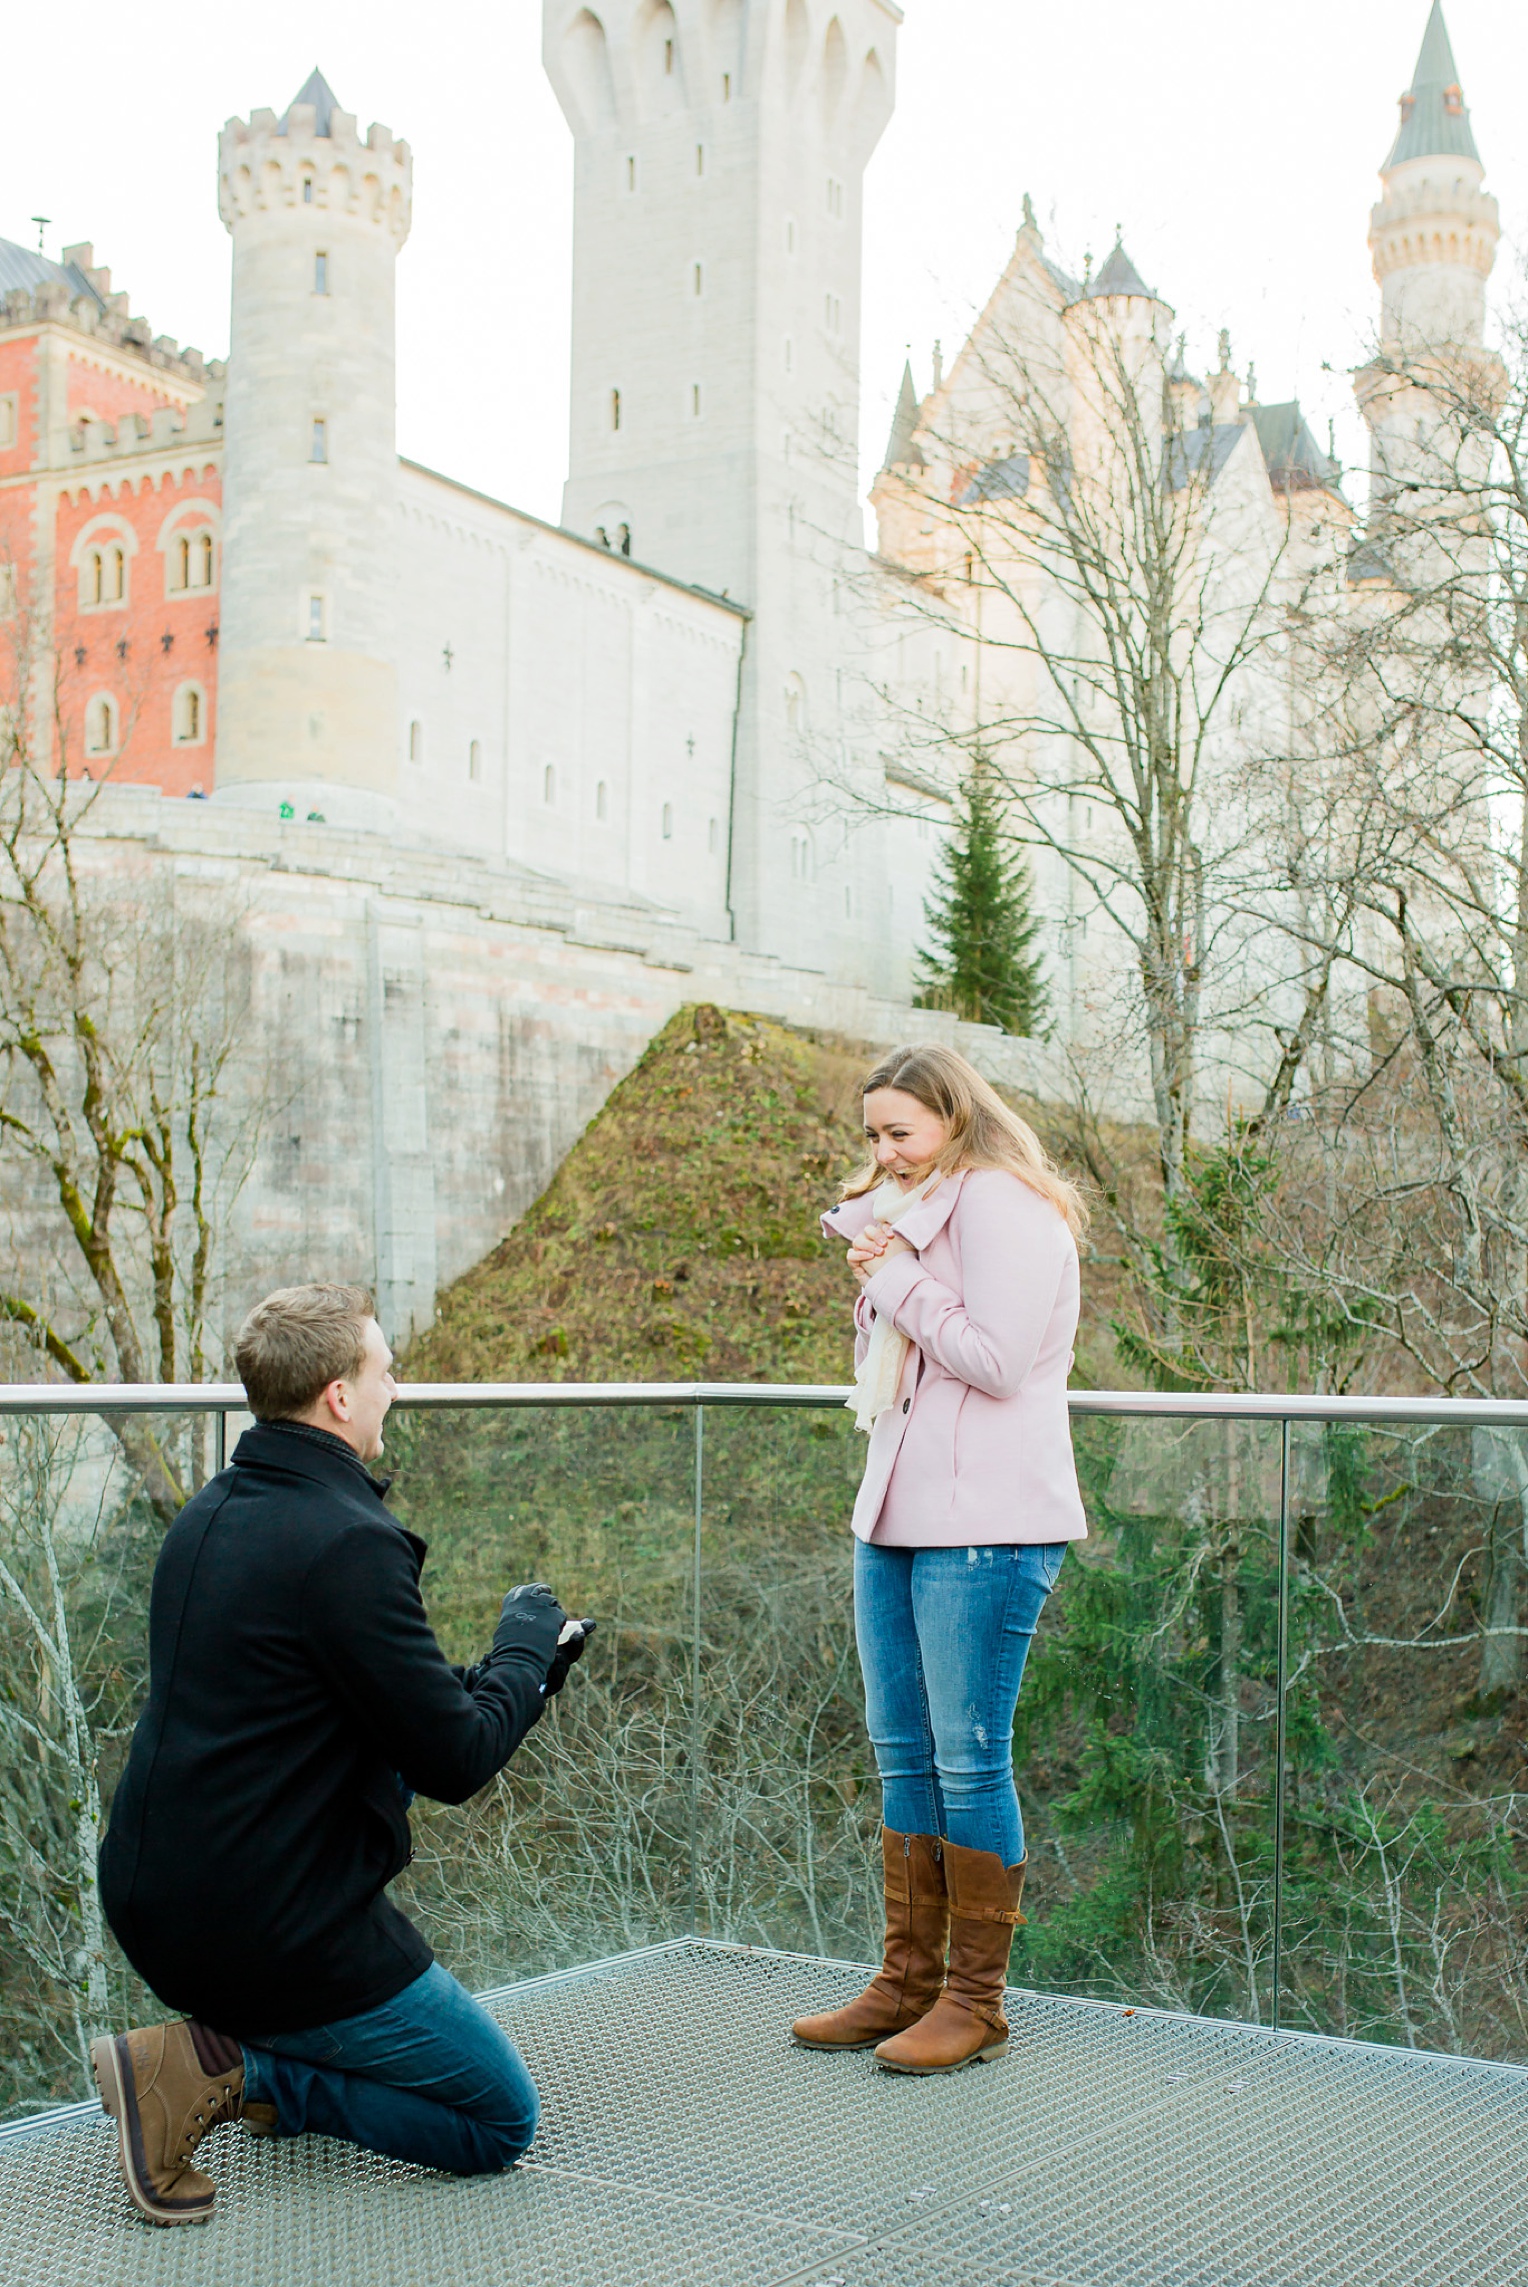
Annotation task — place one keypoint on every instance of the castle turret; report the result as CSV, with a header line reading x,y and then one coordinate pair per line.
x,y
308,711
1433,235
720,151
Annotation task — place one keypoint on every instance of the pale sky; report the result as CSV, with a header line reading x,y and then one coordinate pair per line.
x,y
1237,145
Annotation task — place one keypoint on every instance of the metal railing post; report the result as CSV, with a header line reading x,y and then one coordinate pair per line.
x,y
695,1725
219,1442
1279,1728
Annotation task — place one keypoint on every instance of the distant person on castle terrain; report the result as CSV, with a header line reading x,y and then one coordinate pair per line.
x,y
297,1698
962,1239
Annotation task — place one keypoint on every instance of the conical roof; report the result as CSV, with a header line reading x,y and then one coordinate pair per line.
x,y
1119,275
901,451
316,90
1434,121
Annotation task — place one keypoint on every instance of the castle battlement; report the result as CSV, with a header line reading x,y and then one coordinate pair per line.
x,y
51,303
315,156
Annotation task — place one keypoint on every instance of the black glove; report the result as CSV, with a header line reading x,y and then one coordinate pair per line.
x,y
566,1654
530,1621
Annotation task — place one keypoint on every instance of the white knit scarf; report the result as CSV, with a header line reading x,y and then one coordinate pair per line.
x,y
878,1375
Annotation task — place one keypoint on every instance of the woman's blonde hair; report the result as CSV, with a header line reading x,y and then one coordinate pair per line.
x,y
983,1131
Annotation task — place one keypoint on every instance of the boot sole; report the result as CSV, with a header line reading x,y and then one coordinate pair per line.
x,y
927,2072
112,2065
826,2048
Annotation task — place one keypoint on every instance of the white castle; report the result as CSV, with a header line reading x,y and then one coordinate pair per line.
x,y
673,731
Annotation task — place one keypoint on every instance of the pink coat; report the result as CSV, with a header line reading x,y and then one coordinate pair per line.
x,y
978,1446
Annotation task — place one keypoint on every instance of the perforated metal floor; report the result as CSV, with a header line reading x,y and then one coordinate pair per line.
x,y
685,2142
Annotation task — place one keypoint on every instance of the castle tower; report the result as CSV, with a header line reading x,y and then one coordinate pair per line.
x,y
1433,235
308,711
720,151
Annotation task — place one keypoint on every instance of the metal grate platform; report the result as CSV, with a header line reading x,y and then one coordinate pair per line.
x,y
685,2142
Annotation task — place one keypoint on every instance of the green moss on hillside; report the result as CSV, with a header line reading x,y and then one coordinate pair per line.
x,y
679,1240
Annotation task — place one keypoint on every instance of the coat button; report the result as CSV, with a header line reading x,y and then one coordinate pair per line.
x,y
906,1402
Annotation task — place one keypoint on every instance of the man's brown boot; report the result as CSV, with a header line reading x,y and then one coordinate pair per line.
x,y
165,2086
967,2021
912,1963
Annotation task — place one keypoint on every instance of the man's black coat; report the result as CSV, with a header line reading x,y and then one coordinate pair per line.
x,y
293,1681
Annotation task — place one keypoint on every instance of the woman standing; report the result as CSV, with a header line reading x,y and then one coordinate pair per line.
x,y
963,1238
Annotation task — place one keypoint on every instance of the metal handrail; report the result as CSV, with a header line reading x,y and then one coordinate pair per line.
x,y
1183,1405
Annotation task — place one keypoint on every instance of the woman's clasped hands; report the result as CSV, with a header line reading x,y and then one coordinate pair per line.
x,y
876,1244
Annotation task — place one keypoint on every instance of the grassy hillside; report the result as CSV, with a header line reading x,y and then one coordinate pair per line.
x,y
680,1237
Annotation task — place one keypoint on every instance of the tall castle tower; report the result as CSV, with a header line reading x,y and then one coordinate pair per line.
x,y
307,693
1433,237
720,151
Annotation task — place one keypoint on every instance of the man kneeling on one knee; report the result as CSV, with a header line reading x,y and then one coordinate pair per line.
x,y
297,1698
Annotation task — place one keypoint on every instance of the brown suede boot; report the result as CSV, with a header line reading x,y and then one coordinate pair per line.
x,y
967,2020
165,2086
912,1963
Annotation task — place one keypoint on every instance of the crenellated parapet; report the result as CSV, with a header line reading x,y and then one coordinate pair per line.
x,y
315,157
52,303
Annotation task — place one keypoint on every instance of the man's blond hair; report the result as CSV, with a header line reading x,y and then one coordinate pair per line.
x,y
298,1341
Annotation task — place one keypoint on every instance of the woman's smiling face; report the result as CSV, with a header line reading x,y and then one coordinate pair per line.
x,y
905,1136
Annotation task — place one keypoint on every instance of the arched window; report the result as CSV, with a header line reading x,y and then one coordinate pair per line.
x,y
116,568
188,715
801,856
95,577
623,539
699,277
307,190
180,562
601,801
204,560
694,400
601,535
101,726
700,158
711,836
416,742
668,821
549,784
474,759
317,620
631,174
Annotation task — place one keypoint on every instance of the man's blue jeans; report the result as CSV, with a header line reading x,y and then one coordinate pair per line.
x,y
943,1636
428,2077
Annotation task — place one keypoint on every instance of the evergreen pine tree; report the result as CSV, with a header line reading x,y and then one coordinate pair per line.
x,y
980,920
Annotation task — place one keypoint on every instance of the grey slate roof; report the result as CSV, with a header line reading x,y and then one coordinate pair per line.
x,y
998,480
20,266
316,90
1188,452
1295,461
901,449
1431,128
1119,275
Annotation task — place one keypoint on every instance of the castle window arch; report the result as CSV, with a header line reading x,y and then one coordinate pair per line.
x,y
660,59
101,725
188,542
101,556
188,716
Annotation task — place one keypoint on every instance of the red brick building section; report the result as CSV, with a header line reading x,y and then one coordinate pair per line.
x,y
110,528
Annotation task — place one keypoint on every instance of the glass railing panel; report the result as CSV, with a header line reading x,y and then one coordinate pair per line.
x,y
84,1500
581,1847
1145,1741
1406,1869
789,1807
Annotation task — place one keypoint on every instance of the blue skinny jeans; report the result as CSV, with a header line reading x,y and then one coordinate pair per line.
x,y
943,1636
427,2077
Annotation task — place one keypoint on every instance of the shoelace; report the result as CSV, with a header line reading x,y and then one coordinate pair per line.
x,y
205,2122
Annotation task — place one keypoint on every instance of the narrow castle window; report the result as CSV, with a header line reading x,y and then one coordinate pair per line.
x,y
180,562
100,726
474,759
318,447
615,408
790,234
726,87
711,836
318,620
416,742
700,278
320,273
7,421
204,561
624,539
668,59
631,173
835,198
307,190
117,571
187,716
549,784
601,535
700,158
668,821
789,353
695,400
601,801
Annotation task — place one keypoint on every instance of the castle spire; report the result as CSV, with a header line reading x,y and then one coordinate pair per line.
x,y
901,450
1434,121
316,90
